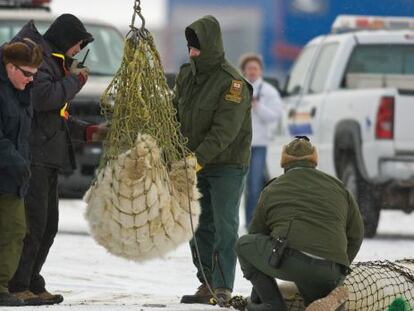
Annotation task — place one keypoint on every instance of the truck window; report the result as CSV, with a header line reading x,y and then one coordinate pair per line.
x,y
323,65
382,59
9,28
105,53
298,73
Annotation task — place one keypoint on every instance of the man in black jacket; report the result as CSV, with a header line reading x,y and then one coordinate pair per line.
x,y
58,81
18,64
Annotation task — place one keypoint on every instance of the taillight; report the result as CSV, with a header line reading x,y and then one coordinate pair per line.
x,y
384,128
40,2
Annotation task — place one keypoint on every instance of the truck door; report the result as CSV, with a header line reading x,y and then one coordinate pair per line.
x,y
295,90
305,118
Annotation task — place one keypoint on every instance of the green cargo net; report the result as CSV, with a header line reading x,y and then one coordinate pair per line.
x,y
372,286
144,200
138,100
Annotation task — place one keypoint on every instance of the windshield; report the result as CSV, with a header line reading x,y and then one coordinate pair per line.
x,y
105,53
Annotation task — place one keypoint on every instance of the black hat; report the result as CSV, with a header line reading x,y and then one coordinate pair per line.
x,y
192,40
66,31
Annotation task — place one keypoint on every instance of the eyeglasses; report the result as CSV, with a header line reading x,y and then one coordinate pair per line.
x,y
26,73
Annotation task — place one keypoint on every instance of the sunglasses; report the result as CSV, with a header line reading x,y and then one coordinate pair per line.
x,y
27,74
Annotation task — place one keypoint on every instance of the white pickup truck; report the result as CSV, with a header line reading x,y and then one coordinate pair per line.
x,y
352,93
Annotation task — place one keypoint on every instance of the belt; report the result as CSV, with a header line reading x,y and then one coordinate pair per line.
x,y
309,259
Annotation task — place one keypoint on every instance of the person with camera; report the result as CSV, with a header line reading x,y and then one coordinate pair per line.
x,y
306,229
57,82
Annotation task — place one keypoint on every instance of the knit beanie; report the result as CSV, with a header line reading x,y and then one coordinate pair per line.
x,y
299,149
192,39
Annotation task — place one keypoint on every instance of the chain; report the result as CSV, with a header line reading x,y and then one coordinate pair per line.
x,y
134,31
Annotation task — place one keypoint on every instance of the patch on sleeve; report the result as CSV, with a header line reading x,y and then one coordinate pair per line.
x,y
235,92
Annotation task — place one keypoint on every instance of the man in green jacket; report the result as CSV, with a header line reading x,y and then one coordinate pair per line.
x,y
315,219
213,106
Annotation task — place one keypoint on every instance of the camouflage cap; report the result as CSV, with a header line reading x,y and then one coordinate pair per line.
x,y
299,149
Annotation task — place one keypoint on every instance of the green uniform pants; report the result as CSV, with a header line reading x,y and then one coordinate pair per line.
x,y
314,278
12,232
217,233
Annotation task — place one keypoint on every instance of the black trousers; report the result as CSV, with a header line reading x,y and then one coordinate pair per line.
x,y
42,221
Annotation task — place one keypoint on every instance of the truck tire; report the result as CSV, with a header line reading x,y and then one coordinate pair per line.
x,y
362,192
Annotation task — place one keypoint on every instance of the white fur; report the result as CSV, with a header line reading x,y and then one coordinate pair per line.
x,y
137,209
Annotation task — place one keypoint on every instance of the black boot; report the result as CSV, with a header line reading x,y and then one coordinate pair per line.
x,y
10,300
254,297
268,294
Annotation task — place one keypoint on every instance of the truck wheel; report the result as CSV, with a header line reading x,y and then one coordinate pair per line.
x,y
362,192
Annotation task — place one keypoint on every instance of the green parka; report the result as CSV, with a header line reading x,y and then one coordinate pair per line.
x,y
213,102
324,217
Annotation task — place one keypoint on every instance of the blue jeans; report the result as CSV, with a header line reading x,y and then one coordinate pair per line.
x,y
256,179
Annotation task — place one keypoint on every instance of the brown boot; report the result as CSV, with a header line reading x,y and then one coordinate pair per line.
x,y
49,298
28,297
335,301
202,295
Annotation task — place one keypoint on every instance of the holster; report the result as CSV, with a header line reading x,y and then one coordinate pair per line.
x,y
279,247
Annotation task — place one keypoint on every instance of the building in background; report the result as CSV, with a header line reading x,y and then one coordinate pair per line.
x,y
277,29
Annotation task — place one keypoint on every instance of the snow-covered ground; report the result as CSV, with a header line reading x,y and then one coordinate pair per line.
x,y
93,280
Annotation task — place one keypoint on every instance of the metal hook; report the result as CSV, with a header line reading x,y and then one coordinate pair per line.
x,y
134,31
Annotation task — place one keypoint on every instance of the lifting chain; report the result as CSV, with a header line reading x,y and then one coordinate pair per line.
x,y
135,32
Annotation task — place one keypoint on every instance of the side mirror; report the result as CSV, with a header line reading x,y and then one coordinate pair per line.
x,y
283,93
274,82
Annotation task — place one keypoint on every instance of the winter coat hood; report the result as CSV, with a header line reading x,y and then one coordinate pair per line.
x,y
66,31
208,32
30,31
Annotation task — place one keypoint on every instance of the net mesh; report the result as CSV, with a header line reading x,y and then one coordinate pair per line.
x,y
375,286
138,100
372,286
144,200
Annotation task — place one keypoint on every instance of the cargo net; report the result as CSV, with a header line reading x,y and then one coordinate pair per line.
x,y
374,286
144,201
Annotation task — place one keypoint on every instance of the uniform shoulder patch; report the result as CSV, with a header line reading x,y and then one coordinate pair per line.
x,y
234,94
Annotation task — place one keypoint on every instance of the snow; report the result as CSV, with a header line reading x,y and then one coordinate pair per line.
x,y
90,279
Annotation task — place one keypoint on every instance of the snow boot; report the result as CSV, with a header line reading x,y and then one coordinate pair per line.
x,y
28,297
223,296
335,301
10,300
202,295
268,296
50,299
